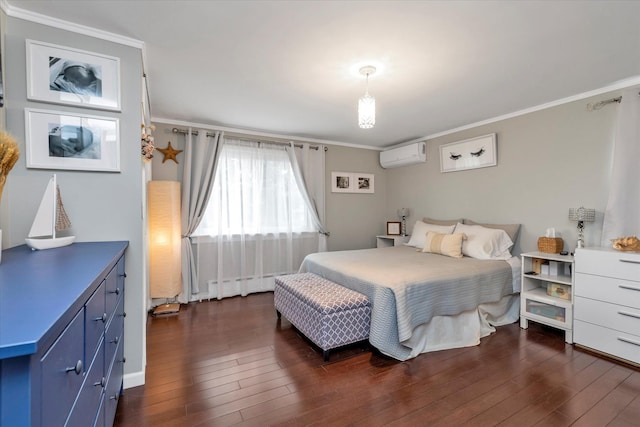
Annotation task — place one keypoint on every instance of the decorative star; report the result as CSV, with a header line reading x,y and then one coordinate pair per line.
x,y
169,153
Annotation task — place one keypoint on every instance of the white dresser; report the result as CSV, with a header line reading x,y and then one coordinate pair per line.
x,y
607,302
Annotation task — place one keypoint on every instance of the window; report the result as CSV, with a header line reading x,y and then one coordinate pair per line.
x,y
254,193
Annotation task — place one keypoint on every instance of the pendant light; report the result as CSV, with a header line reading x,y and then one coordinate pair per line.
x,y
367,103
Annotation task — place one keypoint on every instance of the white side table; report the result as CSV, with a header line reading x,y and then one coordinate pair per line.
x,y
385,241
535,303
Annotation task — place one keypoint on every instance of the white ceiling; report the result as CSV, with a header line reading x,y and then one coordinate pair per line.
x,y
286,67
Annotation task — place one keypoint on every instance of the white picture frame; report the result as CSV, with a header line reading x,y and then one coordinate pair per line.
x,y
478,152
341,182
352,182
363,182
65,140
64,75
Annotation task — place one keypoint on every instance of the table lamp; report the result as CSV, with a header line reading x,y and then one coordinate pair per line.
x,y
403,213
581,215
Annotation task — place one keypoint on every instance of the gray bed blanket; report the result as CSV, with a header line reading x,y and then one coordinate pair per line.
x,y
407,288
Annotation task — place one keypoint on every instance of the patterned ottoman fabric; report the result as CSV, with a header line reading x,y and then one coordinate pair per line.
x,y
328,314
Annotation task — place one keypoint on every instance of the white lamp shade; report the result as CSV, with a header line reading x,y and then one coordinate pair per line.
x,y
367,111
403,212
163,204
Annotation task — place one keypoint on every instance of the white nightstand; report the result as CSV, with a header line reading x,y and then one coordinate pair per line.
x,y
535,303
385,241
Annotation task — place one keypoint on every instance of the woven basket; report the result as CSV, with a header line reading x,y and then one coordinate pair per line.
x,y
550,245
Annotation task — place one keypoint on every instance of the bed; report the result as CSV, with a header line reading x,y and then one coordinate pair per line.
x,y
424,302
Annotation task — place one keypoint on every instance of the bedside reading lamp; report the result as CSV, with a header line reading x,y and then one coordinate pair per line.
x,y
581,215
403,213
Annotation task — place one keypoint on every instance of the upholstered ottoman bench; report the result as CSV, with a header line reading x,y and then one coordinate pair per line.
x,y
328,314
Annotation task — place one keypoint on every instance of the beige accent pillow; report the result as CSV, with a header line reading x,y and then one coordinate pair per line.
x,y
442,221
420,231
444,244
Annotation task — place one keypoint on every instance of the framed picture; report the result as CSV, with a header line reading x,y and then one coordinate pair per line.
x,y
63,75
63,140
363,182
349,182
393,228
341,182
479,152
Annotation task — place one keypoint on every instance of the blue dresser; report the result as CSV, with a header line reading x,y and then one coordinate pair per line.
x,y
61,334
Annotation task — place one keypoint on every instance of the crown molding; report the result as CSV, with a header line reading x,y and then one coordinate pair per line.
x,y
260,133
619,85
16,12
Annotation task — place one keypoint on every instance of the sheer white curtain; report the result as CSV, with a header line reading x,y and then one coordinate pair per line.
x,y
256,225
622,216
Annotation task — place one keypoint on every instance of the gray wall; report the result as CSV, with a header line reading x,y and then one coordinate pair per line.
x,y
355,219
3,25
548,162
169,170
102,206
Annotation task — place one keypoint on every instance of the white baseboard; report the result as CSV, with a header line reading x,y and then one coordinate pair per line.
x,y
133,380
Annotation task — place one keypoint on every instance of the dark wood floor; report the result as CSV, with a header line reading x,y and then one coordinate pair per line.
x,y
231,362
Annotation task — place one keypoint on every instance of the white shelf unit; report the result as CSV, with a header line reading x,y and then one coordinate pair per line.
x,y
536,304
385,241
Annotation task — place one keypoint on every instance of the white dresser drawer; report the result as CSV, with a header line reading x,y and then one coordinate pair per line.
x,y
609,263
615,291
619,344
612,316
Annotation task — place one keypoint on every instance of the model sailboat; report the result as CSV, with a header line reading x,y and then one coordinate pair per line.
x,y
50,218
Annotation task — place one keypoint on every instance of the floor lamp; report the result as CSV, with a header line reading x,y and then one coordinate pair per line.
x,y
165,279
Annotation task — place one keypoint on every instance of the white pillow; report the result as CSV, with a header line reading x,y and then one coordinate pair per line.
x,y
484,243
419,233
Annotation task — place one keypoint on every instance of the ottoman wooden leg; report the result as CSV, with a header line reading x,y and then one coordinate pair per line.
x,y
279,314
325,355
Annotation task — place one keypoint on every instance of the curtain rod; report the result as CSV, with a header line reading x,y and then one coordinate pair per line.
x,y
247,138
599,105
193,132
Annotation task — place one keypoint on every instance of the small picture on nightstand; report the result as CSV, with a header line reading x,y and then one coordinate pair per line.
x,y
393,228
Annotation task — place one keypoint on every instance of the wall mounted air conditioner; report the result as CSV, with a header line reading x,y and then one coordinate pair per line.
x,y
403,156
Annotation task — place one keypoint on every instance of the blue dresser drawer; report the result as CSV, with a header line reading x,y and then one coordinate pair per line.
x,y
95,320
114,386
113,291
92,392
113,336
99,421
62,370
121,273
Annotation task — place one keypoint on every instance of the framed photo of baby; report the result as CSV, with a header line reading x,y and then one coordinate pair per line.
x,y
65,140
64,75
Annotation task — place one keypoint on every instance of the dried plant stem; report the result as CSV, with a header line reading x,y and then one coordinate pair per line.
x,y
9,154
